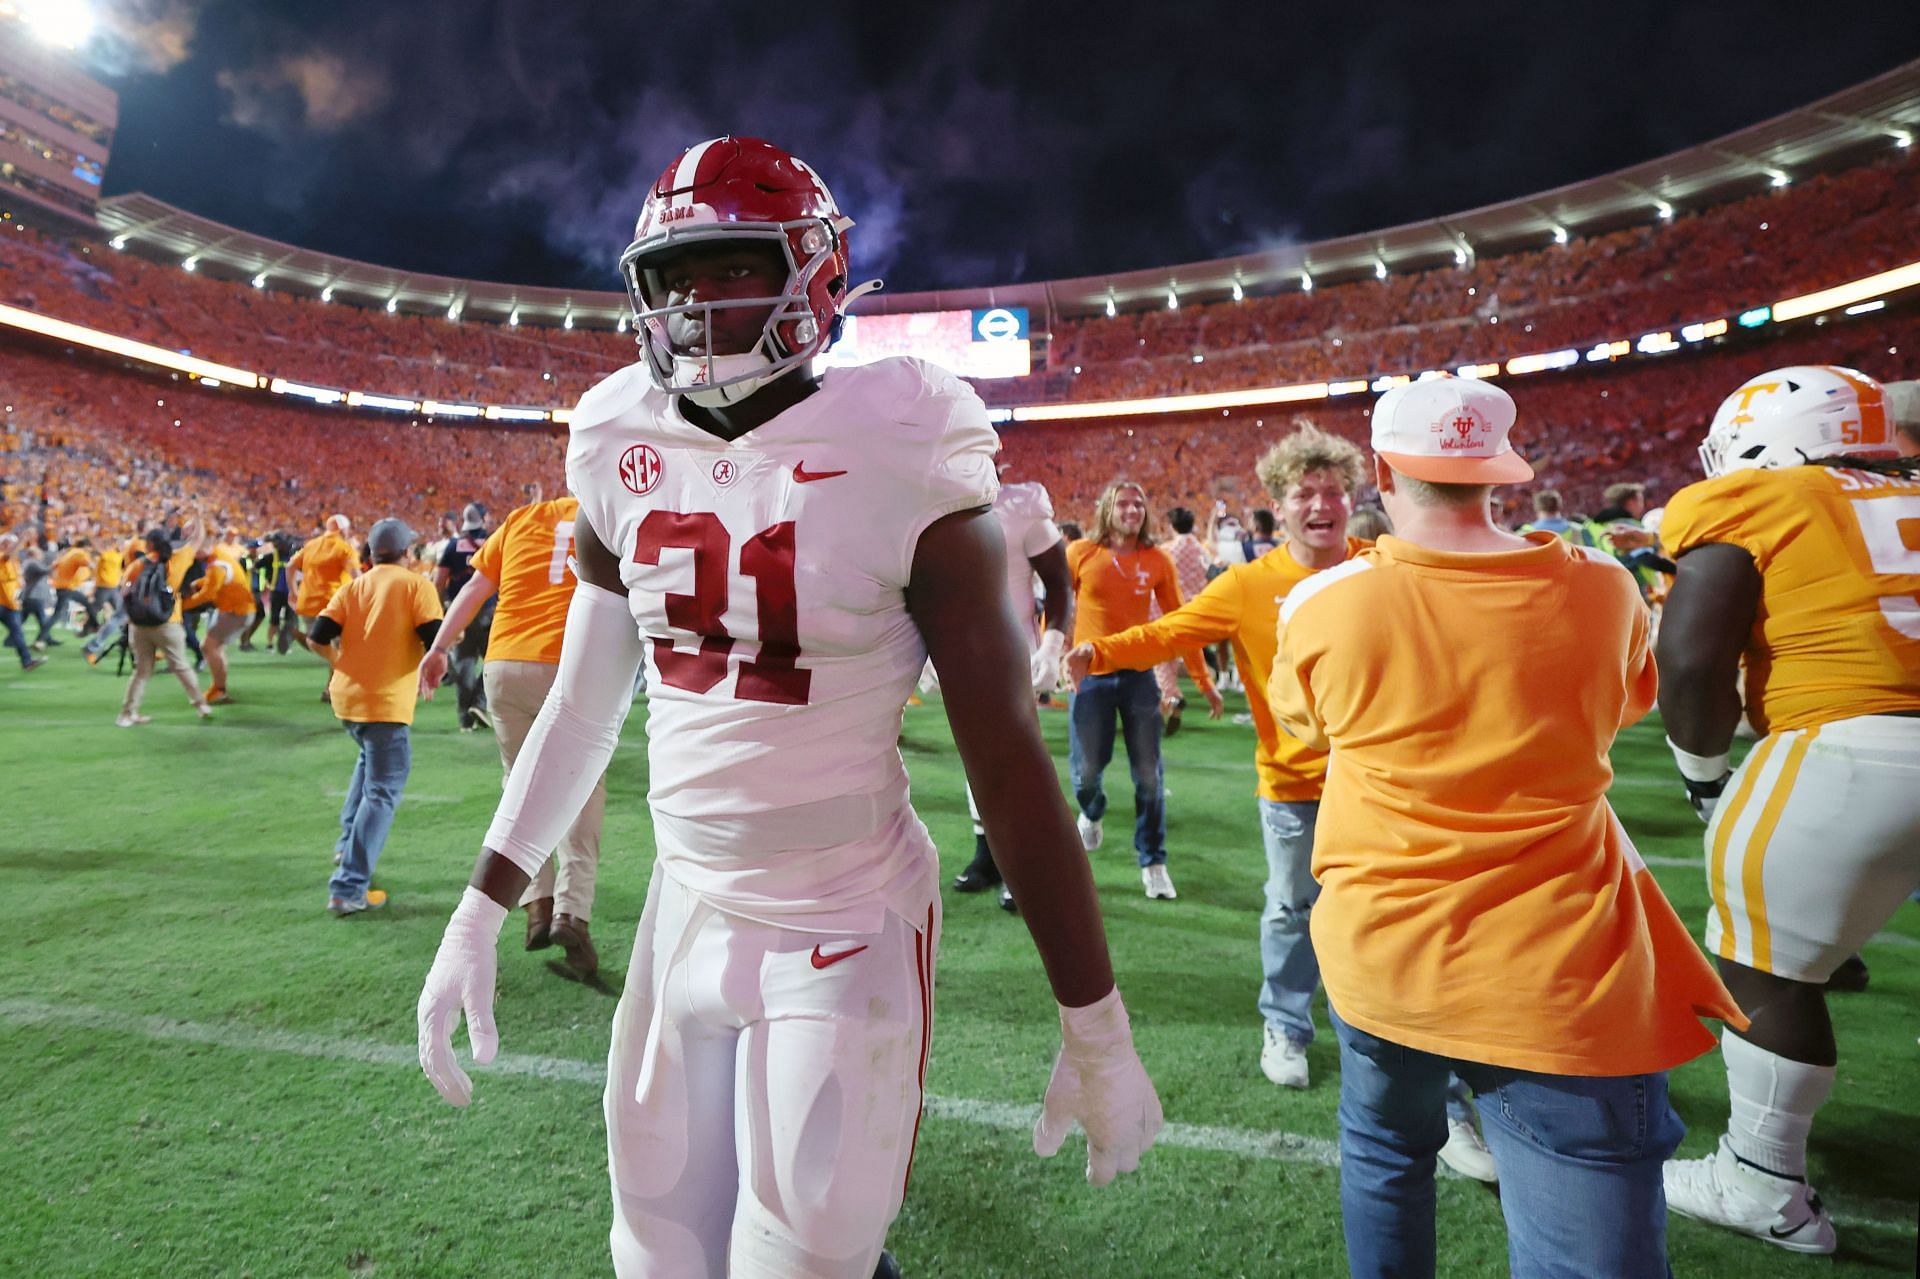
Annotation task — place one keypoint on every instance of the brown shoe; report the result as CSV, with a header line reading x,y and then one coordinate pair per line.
x,y
539,923
570,935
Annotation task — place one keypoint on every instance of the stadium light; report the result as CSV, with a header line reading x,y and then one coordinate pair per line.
x,y
1173,299
358,399
620,325
1665,210
1903,277
14,318
118,242
1862,308
65,24
1350,387
1239,294
318,394
453,310
1541,363
1111,308
1559,235
1779,178
1172,403
1379,268
1701,332
190,264
1459,257
393,304
434,408
1306,282
1902,139
514,317
326,294
568,322
260,280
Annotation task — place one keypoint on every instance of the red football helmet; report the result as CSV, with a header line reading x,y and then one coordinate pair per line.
x,y
742,188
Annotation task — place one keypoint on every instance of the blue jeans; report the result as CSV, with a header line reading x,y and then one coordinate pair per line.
x,y
379,776
1291,974
1135,697
1579,1162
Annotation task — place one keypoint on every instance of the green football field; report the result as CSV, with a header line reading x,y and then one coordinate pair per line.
x,y
204,1073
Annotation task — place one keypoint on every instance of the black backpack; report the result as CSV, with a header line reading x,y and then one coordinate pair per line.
x,y
149,599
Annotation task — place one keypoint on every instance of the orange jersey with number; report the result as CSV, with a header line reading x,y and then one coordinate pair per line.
x,y
526,557
1837,633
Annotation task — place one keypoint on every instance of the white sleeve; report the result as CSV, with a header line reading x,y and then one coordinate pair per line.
x,y
574,736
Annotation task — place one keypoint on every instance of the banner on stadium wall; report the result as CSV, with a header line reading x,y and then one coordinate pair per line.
x,y
989,343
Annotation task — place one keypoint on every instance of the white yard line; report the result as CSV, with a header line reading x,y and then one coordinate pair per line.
x,y
1283,1147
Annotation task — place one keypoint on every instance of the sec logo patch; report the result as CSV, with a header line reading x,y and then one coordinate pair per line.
x,y
640,469
725,472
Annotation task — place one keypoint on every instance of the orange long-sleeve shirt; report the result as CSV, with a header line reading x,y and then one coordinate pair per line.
x,y
1114,590
1479,899
1242,606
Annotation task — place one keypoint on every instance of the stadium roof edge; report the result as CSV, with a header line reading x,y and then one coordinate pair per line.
x,y
1836,129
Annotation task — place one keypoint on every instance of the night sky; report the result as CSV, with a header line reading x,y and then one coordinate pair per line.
x,y
974,143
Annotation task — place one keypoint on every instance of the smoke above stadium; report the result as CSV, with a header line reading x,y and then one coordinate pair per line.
x,y
974,144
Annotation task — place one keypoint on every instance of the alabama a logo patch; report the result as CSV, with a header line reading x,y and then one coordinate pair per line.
x,y
725,472
640,469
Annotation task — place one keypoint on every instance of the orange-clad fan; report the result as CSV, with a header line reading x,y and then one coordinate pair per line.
x,y
1118,574
69,576
378,625
317,570
524,562
224,586
1482,911
11,586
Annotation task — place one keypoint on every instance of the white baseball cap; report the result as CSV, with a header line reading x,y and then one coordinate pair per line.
x,y
1449,430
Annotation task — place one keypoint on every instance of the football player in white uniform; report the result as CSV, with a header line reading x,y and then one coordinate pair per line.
x,y
783,552
1034,549
1797,557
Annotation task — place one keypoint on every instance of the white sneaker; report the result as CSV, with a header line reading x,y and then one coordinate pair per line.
x,y
1282,1060
128,721
1091,832
1157,882
1466,1152
1726,1192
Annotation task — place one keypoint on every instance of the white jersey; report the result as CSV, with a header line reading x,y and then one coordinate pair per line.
x,y
769,574
1026,522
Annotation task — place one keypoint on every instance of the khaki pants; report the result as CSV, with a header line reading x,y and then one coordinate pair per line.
x,y
168,641
515,693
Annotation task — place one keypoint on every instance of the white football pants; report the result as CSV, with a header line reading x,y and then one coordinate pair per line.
x,y
1815,844
763,1092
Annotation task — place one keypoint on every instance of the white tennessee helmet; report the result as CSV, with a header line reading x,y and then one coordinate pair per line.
x,y
1794,415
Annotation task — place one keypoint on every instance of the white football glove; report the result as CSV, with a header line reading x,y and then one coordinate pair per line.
x,y
1099,1082
1046,661
461,980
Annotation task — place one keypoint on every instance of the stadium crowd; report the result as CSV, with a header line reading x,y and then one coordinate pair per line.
x,y
1701,265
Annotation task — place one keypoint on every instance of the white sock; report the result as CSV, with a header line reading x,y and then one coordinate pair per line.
x,y
1774,1100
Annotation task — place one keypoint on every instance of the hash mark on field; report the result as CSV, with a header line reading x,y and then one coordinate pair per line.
x,y
406,797
1276,1146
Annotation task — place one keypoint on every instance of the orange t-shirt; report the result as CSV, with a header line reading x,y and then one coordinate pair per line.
x,y
111,569
1479,899
1837,633
526,558
1241,605
1113,590
224,585
72,567
326,564
375,679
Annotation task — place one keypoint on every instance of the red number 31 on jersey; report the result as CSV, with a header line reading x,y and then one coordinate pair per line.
x,y
767,558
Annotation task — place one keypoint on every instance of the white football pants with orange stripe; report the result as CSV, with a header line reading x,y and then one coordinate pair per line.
x,y
1815,845
764,1092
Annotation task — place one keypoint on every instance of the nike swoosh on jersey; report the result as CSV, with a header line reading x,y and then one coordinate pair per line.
x,y
828,961
801,475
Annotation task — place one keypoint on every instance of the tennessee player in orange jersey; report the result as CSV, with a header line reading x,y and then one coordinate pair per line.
x,y
524,562
1118,573
1799,554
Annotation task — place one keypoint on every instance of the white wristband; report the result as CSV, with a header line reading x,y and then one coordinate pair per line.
x,y
1699,768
